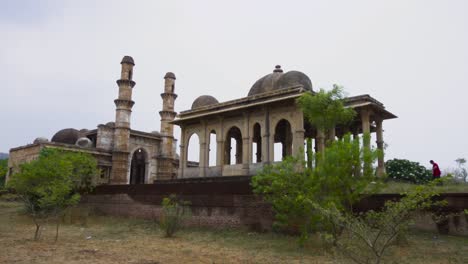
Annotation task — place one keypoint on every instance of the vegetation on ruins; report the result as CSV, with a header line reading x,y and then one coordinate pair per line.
x,y
320,198
325,109
174,211
335,181
407,171
52,183
336,178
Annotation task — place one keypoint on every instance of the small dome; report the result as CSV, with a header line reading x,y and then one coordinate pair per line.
x,y
84,142
170,75
67,136
294,78
40,140
279,80
128,60
204,100
110,124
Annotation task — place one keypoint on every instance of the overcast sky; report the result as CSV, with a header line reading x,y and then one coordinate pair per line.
x,y
59,61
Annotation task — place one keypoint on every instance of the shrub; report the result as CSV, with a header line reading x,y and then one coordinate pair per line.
x,y
408,171
174,212
365,237
336,178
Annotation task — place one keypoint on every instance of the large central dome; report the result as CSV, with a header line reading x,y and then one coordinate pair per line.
x,y
279,80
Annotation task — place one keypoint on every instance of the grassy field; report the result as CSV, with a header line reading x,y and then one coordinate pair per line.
x,y
117,240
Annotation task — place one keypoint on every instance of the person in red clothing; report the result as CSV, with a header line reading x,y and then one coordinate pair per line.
x,y
435,170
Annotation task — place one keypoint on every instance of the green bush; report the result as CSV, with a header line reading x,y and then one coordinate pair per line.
x,y
408,171
174,212
365,237
3,171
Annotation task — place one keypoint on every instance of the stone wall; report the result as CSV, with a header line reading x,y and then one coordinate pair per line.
x,y
214,203
229,202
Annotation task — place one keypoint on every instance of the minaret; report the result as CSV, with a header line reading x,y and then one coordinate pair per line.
x,y
166,169
124,104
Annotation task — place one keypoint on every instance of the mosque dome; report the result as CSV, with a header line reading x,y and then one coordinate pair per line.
x,y
204,100
279,80
67,136
40,140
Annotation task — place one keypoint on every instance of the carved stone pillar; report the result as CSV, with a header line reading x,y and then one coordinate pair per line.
x,y
380,146
365,119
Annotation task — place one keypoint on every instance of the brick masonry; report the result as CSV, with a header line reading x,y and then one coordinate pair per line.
x,y
229,202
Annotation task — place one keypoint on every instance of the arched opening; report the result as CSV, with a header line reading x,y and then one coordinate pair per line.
x,y
212,149
233,141
138,167
193,151
257,144
283,140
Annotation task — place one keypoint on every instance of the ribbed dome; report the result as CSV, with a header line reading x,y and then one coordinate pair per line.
x,y
67,136
279,80
204,100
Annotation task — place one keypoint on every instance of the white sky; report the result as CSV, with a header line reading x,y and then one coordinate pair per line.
x,y
59,61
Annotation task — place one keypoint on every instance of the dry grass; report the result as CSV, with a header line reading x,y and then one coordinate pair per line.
x,y
115,240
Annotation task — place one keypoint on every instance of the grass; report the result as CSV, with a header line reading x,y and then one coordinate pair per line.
x,y
103,240
401,187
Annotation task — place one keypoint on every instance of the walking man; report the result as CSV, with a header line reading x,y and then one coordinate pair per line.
x,y
435,170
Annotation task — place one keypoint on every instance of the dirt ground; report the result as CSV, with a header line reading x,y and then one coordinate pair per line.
x,y
106,240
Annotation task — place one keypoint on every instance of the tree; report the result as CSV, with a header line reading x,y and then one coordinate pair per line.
x,y
290,186
325,110
52,183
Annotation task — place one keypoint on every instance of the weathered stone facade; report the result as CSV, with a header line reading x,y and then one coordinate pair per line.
x,y
246,132
125,156
269,115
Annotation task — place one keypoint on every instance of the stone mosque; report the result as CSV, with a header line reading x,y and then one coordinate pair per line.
x,y
243,132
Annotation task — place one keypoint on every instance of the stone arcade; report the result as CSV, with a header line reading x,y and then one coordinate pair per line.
x,y
245,131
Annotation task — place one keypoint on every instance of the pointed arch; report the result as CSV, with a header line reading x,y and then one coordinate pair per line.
x,y
138,166
233,138
257,143
282,140
193,150
212,149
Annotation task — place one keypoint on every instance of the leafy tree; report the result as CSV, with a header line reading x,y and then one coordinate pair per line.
x,y
290,187
409,171
325,110
3,171
52,183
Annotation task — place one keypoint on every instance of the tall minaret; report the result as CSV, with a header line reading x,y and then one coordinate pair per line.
x,y
124,104
166,169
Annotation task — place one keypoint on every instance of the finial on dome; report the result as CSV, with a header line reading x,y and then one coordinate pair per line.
x,y
278,68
